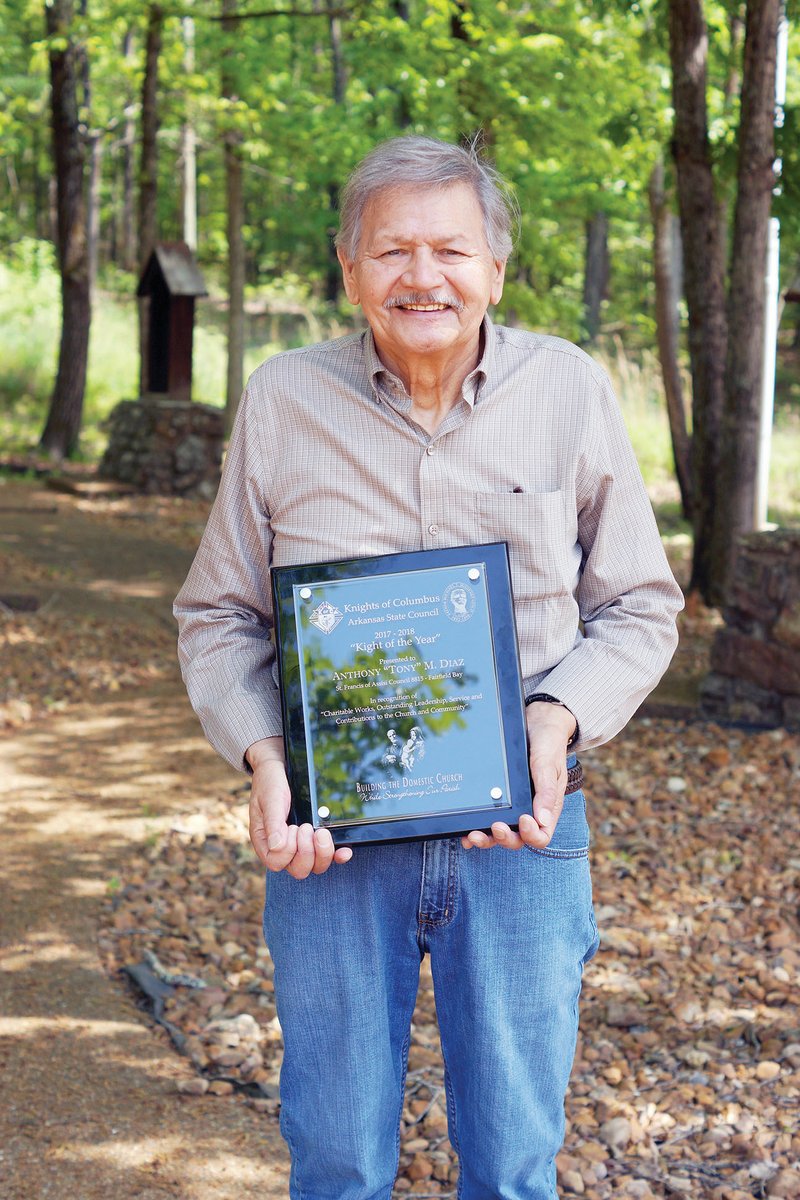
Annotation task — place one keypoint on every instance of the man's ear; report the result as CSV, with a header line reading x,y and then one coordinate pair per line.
x,y
498,281
348,276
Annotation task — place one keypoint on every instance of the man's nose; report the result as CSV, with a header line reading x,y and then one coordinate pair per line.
x,y
423,272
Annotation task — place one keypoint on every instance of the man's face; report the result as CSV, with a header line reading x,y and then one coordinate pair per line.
x,y
423,273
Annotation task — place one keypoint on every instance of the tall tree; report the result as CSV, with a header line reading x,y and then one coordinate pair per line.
x,y
234,192
62,428
148,177
704,271
724,341
595,279
128,230
668,292
333,275
746,299
189,149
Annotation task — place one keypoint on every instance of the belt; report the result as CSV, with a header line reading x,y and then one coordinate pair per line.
x,y
574,779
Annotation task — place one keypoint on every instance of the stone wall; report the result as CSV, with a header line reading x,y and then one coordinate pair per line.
x,y
755,658
166,447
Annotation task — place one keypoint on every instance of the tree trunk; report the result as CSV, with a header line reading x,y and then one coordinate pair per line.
x,y
148,177
60,435
667,332
235,221
703,273
128,239
747,294
189,149
596,276
95,149
95,179
333,273
402,11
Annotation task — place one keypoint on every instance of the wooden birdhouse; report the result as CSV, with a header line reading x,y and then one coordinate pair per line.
x,y
171,281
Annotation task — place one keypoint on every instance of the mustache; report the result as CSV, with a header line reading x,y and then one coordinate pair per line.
x,y
424,298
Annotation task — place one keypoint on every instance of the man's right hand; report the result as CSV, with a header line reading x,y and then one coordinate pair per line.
x,y
299,850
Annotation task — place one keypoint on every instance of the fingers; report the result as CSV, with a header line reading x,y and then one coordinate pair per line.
x,y
280,846
269,808
549,783
478,839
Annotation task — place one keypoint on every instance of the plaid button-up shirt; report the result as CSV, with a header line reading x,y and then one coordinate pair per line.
x,y
325,462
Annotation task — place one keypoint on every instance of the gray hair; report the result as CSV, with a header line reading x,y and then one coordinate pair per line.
x,y
427,162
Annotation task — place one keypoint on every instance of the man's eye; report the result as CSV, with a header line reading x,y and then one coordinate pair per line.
x,y
391,253
451,253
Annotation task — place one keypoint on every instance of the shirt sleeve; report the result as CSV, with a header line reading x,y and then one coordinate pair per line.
x,y
627,596
224,609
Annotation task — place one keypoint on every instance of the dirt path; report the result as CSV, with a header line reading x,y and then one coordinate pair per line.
x,y
90,1101
100,753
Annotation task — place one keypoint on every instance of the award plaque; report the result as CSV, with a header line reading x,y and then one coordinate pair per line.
x,y
402,699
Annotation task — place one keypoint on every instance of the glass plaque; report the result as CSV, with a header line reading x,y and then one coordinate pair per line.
x,y
401,691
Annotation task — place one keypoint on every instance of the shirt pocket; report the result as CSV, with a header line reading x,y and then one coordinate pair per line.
x,y
534,524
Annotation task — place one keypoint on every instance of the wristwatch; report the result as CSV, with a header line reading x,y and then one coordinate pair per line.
x,y
544,698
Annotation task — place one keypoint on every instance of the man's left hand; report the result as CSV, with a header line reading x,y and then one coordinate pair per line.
x,y
550,727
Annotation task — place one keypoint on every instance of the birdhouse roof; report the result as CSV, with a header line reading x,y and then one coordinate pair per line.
x,y
175,262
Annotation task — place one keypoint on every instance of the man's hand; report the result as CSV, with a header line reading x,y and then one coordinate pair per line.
x,y
300,850
549,729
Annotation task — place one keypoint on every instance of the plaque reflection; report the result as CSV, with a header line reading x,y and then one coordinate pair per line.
x,y
401,708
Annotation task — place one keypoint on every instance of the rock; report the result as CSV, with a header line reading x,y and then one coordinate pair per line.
x,y
638,1189
227,1058
768,1070
419,1168
616,1133
785,1185
572,1181
220,1087
622,1016
690,1011
593,1151
193,1087
718,756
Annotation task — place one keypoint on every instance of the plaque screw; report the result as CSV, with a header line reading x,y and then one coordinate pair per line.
x,y
305,593
496,793
474,573
323,812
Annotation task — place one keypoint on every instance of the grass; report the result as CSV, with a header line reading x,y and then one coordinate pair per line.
x,y
29,333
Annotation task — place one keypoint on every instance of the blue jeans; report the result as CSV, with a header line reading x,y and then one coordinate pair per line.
x,y
508,933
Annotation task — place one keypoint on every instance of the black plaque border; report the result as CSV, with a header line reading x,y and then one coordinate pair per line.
x,y
494,556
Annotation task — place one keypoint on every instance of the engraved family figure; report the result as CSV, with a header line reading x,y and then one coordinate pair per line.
x,y
406,754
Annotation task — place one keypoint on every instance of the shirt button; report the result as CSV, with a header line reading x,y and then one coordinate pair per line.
x,y
430,449
433,530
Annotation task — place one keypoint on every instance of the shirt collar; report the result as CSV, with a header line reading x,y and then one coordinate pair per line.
x,y
386,385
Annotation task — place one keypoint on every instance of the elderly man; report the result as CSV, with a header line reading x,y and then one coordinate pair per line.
x,y
432,428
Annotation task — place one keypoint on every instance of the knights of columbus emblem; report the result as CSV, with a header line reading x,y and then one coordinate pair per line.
x,y
326,617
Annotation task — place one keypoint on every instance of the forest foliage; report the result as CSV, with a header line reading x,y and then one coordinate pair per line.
x,y
233,127
572,100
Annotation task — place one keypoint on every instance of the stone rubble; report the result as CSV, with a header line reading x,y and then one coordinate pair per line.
x,y
755,658
687,1077
165,447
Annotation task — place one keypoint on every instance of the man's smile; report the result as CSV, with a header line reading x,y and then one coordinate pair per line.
x,y
424,304
424,307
